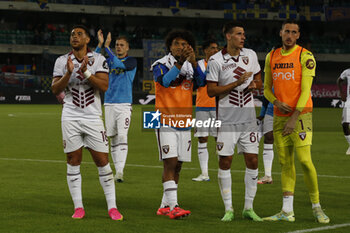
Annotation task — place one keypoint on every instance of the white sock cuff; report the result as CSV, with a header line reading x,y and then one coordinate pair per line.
x,y
252,172
106,170
73,170
316,205
202,145
170,184
347,138
122,139
224,173
268,146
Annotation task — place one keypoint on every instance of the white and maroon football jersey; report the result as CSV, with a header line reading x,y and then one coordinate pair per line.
x,y
238,106
346,77
82,101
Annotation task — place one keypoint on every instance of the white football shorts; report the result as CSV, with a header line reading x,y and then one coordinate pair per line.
x,y
245,136
118,118
205,131
91,134
174,143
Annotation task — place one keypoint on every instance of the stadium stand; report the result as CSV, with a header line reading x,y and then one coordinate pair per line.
x,y
40,32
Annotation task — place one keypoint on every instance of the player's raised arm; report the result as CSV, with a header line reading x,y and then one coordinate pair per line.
x,y
59,83
98,80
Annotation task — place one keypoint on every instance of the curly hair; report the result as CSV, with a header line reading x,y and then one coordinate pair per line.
x,y
179,33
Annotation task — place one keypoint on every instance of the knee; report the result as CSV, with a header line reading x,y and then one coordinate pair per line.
x,y
225,162
178,167
268,138
203,139
252,162
73,161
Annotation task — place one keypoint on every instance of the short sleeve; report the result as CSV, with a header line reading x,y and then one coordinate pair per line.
x,y
308,64
213,70
345,74
58,70
256,65
101,65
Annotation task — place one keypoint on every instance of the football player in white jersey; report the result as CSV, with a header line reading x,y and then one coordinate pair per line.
x,y
82,74
231,75
345,78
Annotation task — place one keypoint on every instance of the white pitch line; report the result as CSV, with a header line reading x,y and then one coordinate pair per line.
x,y
321,228
155,166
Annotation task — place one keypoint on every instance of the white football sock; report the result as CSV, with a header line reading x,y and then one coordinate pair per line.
x,y
107,183
74,185
164,201
170,191
251,183
287,204
119,152
121,158
268,158
203,157
315,205
347,138
225,183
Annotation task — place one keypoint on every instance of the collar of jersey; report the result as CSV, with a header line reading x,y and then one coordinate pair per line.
x,y
288,52
227,56
89,54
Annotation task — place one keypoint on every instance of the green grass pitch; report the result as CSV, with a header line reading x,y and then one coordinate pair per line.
x,y
34,196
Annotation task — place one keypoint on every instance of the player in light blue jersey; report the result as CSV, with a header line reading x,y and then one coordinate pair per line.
x,y
265,122
118,99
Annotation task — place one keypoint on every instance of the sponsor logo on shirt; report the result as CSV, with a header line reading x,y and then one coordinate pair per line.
x,y
310,64
283,66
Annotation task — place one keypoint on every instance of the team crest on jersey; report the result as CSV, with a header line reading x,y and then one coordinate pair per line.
x,y
76,65
219,145
105,65
310,64
165,149
302,135
91,61
245,60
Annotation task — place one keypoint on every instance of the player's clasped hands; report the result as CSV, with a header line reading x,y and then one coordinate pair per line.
x,y
244,77
83,66
70,65
187,54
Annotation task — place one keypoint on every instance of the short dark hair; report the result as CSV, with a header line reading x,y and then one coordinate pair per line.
x,y
82,27
290,21
228,27
208,42
179,33
122,38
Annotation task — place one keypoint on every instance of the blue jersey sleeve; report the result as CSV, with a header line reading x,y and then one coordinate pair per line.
x,y
114,59
199,78
98,49
163,75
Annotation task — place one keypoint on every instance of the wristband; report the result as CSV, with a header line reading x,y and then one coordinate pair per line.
x,y
87,74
